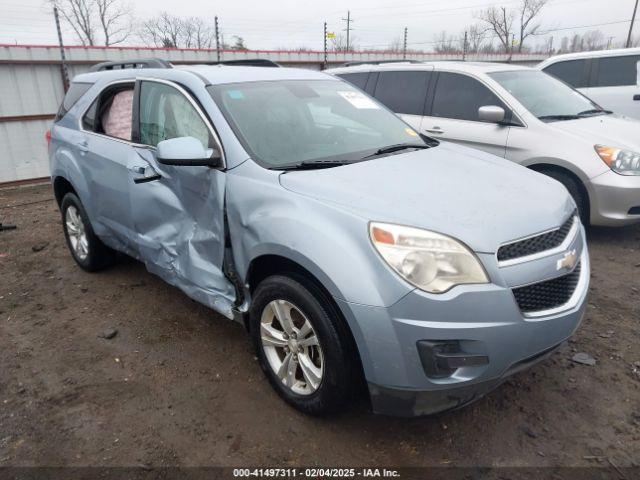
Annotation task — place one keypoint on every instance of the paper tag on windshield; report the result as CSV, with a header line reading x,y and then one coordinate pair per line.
x,y
358,99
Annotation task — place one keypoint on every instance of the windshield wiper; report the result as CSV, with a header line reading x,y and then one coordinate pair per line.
x,y
558,117
313,164
397,147
594,111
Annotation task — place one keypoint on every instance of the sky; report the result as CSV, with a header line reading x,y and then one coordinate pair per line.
x,y
283,24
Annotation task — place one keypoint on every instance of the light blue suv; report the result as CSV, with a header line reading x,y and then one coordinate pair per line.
x,y
352,248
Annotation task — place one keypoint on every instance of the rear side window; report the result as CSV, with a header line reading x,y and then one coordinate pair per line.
x,y
76,90
403,92
111,113
357,79
572,72
617,71
459,96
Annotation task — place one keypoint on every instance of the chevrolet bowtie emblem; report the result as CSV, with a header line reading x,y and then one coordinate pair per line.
x,y
568,261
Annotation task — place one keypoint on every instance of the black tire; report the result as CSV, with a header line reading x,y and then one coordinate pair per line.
x,y
339,376
99,256
576,190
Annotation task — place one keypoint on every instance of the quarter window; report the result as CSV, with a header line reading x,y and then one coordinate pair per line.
x,y
357,79
166,113
75,92
459,96
570,71
617,71
403,92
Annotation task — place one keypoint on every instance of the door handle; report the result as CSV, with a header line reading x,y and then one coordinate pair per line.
x,y
146,177
83,147
636,98
436,130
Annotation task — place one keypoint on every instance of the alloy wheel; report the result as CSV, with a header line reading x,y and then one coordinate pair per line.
x,y
77,233
291,347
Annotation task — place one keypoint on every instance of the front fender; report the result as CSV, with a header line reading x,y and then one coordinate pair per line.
x,y
330,242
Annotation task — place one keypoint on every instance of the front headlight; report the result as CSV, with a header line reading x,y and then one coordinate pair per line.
x,y
432,262
624,162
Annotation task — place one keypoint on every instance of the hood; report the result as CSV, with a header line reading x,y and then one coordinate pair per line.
x,y
610,130
475,197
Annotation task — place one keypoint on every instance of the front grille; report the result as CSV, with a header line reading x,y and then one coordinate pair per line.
x,y
548,294
537,244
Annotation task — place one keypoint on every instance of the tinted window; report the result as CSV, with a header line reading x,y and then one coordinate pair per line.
x,y
357,79
617,71
571,72
403,92
166,113
76,90
459,96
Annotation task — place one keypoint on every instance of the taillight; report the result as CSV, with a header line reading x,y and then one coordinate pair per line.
x,y
47,137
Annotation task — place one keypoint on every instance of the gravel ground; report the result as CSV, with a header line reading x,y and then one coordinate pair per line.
x,y
179,385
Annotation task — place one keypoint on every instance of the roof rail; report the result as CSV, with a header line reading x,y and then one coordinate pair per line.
x,y
250,62
135,63
379,62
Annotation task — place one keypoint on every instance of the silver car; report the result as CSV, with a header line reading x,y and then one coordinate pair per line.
x,y
525,116
352,248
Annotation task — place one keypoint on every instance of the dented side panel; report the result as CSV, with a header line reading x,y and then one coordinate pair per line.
x,y
179,225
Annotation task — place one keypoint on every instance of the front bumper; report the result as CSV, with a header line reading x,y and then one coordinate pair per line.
x,y
484,320
614,199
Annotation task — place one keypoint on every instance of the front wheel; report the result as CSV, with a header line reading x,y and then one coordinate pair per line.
x,y
302,345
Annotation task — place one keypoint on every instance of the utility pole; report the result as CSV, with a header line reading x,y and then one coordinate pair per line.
x,y
633,19
324,63
404,48
63,65
609,41
550,46
464,47
348,29
217,40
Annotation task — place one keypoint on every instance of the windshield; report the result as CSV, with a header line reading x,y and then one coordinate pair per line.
x,y
282,123
545,96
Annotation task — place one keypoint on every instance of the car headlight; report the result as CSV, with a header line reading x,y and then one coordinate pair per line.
x,y
624,162
430,261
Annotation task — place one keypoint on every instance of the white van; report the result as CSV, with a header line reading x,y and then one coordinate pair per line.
x,y
611,78
521,114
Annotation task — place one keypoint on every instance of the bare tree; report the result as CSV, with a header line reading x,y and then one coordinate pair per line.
x,y
171,31
476,37
80,15
238,44
115,20
529,10
501,21
97,22
593,40
445,43
396,45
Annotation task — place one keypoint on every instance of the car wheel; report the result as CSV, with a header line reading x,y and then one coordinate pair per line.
x,y
302,344
85,247
575,190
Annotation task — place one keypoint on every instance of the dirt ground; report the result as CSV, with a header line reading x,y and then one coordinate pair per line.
x,y
179,384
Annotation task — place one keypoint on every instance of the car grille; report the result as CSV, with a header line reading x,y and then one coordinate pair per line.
x,y
548,294
537,244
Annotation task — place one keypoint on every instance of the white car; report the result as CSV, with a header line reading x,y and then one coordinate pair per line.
x,y
611,78
524,115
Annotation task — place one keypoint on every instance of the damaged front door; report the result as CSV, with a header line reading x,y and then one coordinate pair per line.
x,y
178,210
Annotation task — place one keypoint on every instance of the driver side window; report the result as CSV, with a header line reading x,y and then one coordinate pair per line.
x,y
166,113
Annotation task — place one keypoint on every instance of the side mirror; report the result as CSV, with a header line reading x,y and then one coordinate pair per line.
x,y
187,151
491,114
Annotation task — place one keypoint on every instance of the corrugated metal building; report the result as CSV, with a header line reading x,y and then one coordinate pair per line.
x,y
31,88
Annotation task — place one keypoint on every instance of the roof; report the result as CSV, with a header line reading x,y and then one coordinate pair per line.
x,y
213,74
592,54
457,66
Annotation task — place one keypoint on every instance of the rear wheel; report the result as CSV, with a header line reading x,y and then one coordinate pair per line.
x,y
85,247
576,190
302,345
